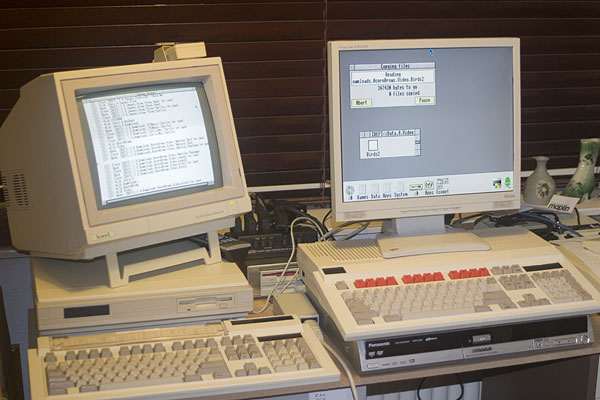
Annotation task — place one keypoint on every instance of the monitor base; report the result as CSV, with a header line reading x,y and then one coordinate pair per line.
x,y
425,235
118,275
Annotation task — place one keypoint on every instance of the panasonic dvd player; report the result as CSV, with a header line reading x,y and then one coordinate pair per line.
x,y
399,352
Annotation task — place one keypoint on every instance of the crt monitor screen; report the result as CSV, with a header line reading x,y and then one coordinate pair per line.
x,y
149,143
420,125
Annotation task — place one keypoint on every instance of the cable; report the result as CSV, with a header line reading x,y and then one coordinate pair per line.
x,y
311,226
537,216
419,387
341,227
356,231
478,220
463,219
334,353
578,217
347,237
335,230
298,270
287,264
294,277
303,214
282,276
462,387
547,220
326,216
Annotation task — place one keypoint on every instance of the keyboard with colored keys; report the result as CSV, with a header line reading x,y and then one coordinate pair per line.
x,y
463,292
188,361
522,278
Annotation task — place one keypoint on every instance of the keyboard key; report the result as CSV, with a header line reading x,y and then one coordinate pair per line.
x,y
138,383
390,280
221,374
341,285
438,313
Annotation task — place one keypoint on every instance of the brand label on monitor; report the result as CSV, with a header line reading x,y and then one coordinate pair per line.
x,y
104,235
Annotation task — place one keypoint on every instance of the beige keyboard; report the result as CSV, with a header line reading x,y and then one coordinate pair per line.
x,y
459,292
522,278
234,356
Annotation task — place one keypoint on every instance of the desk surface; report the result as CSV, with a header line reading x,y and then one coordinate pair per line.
x,y
436,370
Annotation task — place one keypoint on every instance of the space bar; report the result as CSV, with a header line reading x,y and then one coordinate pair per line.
x,y
438,313
140,382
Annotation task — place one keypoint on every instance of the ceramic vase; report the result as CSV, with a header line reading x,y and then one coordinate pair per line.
x,y
539,187
582,183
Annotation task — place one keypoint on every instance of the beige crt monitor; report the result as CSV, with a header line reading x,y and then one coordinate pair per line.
x,y
100,161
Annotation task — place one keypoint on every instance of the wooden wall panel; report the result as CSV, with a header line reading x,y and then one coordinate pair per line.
x,y
274,58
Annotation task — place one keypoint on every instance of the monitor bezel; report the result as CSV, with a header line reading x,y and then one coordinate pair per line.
x,y
419,206
92,81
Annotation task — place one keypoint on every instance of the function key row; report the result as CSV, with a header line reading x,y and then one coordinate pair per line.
x,y
512,277
375,282
468,273
426,277
414,278
507,269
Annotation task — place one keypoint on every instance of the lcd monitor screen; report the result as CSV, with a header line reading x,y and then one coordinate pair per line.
x,y
426,122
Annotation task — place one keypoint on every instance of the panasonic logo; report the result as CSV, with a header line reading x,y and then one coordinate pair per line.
x,y
380,344
482,349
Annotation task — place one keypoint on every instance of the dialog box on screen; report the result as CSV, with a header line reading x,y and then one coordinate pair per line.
x,y
392,85
392,143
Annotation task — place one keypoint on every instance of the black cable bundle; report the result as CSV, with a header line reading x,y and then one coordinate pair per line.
x,y
547,218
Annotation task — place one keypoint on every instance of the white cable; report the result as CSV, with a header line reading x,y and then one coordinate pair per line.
x,y
294,277
337,229
356,231
341,227
313,222
314,226
335,354
287,264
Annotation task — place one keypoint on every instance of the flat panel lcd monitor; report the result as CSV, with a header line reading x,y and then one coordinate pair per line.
x,y
424,127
